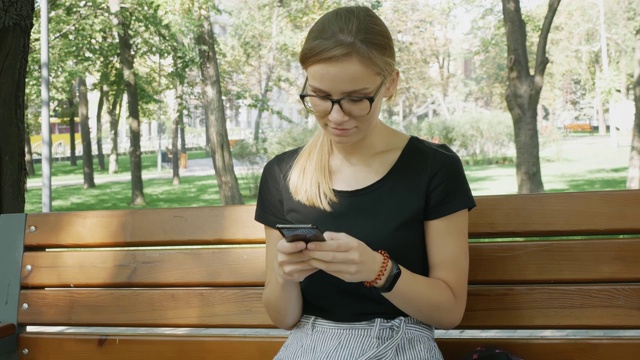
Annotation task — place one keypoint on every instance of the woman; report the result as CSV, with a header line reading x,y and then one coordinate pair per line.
x,y
393,208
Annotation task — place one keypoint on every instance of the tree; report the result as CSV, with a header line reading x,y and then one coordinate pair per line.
x,y
127,63
633,177
16,21
523,92
83,117
214,113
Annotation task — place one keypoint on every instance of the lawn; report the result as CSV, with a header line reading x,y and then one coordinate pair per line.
x,y
572,164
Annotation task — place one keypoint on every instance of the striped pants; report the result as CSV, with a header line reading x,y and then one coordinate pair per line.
x,y
320,339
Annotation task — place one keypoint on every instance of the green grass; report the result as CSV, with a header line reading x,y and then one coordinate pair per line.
x,y
585,163
159,193
62,170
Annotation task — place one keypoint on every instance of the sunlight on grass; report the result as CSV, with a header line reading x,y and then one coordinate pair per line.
x,y
62,170
159,193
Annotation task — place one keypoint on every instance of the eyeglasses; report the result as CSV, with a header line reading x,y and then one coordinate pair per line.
x,y
352,106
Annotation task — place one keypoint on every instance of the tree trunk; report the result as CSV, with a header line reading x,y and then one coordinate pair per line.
x,y
183,142
264,99
85,133
99,132
266,89
633,177
31,170
112,119
175,134
523,92
71,112
215,117
16,21
127,63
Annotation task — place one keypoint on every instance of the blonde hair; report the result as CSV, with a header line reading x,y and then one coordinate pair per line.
x,y
342,33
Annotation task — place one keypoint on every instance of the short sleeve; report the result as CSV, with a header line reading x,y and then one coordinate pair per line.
x,y
448,190
270,205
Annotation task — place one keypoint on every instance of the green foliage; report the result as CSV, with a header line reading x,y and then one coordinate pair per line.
x,y
479,138
278,141
251,158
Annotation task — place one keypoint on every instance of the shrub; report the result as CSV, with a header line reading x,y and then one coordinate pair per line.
x,y
478,138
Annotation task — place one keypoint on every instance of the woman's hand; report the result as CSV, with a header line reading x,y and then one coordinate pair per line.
x,y
292,262
345,257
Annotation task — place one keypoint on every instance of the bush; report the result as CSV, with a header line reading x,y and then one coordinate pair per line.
x,y
280,140
252,159
478,138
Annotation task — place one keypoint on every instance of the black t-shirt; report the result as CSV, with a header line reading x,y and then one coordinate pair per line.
x,y
427,182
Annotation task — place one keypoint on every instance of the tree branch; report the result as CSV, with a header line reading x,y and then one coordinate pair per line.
x,y
541,55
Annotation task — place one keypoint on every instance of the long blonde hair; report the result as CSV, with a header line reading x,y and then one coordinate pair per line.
x,y
339,34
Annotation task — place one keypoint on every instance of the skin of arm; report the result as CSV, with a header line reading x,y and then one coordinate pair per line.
x,y
439,299
286,266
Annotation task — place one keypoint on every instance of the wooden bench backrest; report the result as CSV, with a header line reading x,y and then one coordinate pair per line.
x,y
584,274
204,267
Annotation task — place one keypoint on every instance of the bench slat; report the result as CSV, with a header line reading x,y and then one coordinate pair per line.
x,y
7,329
185,307
243,266
114,347
579,213
496,307
547,349
553,307
496,216
491,263
173,226
145,347
610,260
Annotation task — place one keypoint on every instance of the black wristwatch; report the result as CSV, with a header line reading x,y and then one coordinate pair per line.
x,y
392,279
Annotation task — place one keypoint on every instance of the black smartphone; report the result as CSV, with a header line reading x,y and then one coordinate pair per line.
x,y
298,232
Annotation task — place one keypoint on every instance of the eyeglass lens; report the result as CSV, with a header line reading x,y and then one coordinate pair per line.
x,y
355,107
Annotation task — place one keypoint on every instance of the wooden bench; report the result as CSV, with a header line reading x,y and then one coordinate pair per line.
x,y
578,127
186,283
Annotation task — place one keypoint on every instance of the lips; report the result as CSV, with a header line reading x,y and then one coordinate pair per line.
x,y
340,131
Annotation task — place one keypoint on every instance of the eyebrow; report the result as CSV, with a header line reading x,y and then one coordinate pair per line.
x,y
317,89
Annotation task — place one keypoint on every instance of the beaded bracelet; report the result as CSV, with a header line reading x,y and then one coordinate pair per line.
x,y
383,269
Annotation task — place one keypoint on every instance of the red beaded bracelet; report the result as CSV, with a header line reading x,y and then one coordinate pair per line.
x,y
383,269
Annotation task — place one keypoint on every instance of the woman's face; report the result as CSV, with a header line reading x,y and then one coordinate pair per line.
x,y
347,78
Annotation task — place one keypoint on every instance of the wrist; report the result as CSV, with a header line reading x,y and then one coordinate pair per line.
x,y
391,278
382,272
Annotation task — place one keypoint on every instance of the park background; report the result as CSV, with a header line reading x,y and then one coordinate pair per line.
x,y
454,75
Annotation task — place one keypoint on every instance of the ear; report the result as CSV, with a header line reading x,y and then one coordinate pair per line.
x,y
391,85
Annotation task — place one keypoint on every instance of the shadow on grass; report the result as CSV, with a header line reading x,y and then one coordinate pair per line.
x,y
593,180
63,168
159,193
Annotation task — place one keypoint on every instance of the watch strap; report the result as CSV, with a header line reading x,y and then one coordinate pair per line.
x,y
392,279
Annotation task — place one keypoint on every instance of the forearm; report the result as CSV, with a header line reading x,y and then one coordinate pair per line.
x,y
429,300
282,300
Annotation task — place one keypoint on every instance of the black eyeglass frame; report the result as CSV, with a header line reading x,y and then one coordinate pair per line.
x,y
371,99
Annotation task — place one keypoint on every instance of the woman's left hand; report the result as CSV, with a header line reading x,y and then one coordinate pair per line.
x,y
345,257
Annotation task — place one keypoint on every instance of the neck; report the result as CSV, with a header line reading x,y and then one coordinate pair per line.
x,y
379,139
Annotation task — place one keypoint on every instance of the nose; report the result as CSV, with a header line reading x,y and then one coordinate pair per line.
x,y
337,115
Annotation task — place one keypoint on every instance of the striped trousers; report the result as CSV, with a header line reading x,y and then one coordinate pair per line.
x,y
402,338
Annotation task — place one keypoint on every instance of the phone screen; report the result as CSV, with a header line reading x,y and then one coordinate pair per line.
x,y
296,232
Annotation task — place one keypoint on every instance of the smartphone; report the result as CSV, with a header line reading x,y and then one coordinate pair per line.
x,y
298,232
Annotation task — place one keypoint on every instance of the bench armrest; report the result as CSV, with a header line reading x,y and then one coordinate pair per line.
x,y
7,329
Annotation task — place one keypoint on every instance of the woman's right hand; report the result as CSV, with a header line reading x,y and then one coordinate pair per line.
x,y
291,263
